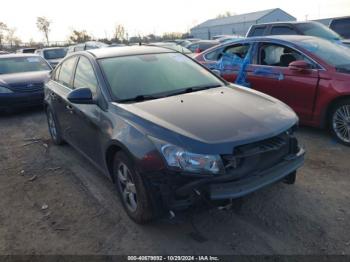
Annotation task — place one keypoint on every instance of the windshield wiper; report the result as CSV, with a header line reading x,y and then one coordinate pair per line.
x,y
138,98
192,89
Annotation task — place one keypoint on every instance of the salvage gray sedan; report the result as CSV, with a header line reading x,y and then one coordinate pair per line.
x,y
167,131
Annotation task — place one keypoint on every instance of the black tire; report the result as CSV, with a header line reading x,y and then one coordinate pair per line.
x,y
56,136
291,178
143,212
339,121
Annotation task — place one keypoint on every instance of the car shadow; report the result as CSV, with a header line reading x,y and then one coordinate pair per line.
x,y
22,112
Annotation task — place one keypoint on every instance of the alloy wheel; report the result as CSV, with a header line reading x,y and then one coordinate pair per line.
x,y
127,187
341,123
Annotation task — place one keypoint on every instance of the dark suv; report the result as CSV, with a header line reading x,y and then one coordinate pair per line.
x,y
309,28
341,25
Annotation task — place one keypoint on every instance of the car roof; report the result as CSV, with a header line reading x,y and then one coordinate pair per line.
x,y
289,38
53,48
286,22
19,55
127,51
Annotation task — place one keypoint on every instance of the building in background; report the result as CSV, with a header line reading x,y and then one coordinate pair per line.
x,y
238,24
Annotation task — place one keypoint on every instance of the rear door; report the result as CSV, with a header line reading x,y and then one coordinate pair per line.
x,y
228,60
270,74
235,56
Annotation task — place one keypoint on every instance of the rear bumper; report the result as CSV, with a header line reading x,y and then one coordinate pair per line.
x,y
180,191
14,100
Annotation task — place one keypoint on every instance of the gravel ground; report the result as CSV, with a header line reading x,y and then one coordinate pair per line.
x,y
53,201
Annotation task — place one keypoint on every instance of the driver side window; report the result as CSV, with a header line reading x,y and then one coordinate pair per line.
x,y
85,75
279,55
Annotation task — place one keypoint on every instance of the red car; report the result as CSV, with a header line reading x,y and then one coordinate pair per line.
x,y
310,74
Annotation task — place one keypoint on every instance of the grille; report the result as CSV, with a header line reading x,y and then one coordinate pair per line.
x,y
25,87
258,156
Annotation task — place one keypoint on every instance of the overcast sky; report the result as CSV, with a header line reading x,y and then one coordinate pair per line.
x,y
99,17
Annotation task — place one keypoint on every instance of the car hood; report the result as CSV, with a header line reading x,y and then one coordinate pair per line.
x,y
218,115
27,77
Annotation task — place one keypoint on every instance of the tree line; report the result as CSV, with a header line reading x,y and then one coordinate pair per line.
x,y
120,35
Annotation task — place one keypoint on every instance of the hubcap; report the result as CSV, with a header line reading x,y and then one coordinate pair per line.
x,y
127,187
52,125
341,123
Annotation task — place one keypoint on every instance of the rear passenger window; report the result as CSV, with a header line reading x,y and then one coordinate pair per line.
x,y
283,30
85,76
238,50
66,71
258,31
214,55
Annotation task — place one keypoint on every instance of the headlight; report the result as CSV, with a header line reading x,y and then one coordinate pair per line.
x,y
198,163
180,159
5,90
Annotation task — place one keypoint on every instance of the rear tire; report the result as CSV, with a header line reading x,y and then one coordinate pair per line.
x,y
54,128
131,189
339,121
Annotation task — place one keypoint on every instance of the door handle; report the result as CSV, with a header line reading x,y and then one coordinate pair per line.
x,y
53,95
70,109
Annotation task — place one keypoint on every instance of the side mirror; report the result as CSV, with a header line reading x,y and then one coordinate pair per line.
x,y
299,65
80,96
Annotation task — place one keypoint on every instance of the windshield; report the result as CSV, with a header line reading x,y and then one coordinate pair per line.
x,y
22,64
55,53
319,30
334,54
154,74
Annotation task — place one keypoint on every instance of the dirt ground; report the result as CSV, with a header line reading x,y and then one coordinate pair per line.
x,y
52,201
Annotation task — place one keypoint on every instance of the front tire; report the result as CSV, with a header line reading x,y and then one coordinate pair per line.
x,y
291,178
339,121
54,128
132,191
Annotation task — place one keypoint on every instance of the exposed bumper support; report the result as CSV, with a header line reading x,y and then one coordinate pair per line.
x,y
243,187
231,187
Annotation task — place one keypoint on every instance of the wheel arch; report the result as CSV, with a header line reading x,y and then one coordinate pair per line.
x,y
113,148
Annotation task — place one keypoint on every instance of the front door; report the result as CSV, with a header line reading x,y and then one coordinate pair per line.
x,y
86,125
270,74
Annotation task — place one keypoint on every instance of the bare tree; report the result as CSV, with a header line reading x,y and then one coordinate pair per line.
x,y
43,25
79,36
226,14
3,30
10,37
171,35
119,33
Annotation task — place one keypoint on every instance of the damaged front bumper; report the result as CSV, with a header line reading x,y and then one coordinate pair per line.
x,y
179,191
